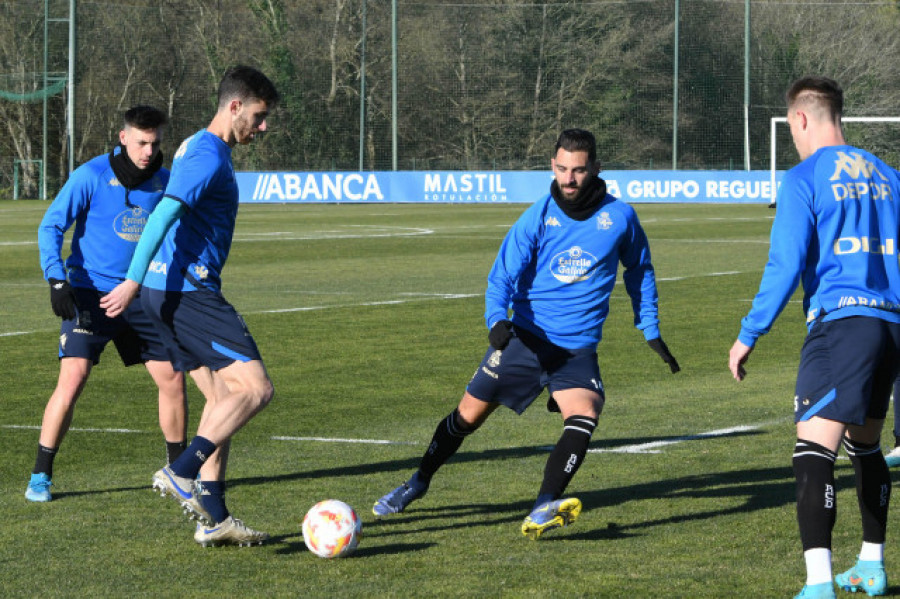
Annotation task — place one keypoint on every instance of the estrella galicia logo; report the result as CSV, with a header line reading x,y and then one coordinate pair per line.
x,y
573,265
129,224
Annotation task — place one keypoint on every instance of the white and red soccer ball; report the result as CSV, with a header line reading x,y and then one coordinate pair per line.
x,y
331,529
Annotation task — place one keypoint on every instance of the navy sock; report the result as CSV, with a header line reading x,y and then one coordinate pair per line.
x,y
566,457
44,461
212,498
448,436
873,488
816,500
190,461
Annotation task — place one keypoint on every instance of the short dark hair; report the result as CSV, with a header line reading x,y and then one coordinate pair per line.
x,y
145,118
821,92
246,83
577,140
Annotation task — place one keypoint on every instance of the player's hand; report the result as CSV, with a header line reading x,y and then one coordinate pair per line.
x,y
118,299
62,299
660,347
500,334
736,359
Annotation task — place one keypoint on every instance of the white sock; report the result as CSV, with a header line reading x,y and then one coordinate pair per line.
x,y
871,552
818,565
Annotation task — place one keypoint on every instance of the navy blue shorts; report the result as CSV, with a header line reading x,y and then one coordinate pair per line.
x,y
199,328
86,336
515,376
847,370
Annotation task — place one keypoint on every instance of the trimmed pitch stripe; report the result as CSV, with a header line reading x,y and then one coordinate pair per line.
x,y
653,446
337,440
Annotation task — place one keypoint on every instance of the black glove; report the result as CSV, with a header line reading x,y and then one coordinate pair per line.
x,y
660,347
500,334
62,299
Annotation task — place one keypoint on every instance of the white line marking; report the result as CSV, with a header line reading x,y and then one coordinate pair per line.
x,y
379,303
338,440
366,232
277,438
710,274
652,446
79,430
14,333
691,219
765,241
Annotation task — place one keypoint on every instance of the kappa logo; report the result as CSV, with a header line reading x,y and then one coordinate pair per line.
x,y
604,222
552,221
114,182
494,360
855,166
62,341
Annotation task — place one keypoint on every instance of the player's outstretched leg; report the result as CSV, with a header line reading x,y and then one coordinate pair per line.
x,y
229,532
553,514
397,500
865,576
38,488
824,590
184,491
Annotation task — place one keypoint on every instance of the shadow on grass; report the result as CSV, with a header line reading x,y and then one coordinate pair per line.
x,y
409,465
760,489
292,547
58,495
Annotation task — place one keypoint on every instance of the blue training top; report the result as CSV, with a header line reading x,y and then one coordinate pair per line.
x,y
106,228
556,273
835,229
196,247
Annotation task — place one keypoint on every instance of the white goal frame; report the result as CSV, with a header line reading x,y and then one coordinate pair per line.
x,y
847,119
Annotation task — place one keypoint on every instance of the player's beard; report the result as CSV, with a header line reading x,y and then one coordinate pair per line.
x,y
583,204
243,130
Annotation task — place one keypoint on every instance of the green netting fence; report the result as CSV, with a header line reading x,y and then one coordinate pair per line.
x,y
479,85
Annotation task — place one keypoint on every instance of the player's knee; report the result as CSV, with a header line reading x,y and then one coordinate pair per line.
x,y
462,427
261,393
67,393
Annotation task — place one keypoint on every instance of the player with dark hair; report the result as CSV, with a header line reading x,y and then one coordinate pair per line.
x,y
179,261
555,270
108,199
835,230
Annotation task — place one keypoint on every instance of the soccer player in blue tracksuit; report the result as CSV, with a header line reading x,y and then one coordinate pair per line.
x,y
108,199
836,230
179,260
555,270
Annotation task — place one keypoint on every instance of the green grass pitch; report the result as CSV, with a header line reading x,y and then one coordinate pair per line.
x,y
369,318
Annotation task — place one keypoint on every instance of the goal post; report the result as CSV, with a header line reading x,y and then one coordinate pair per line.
x,y
847,119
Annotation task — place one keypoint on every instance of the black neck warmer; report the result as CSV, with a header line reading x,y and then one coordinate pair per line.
x,y
585,203
128,174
